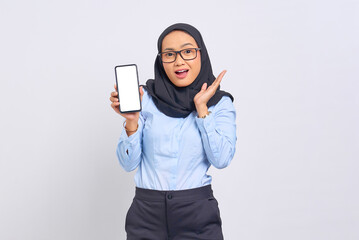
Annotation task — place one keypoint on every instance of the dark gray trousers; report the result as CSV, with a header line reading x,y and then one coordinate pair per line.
x,y
174,215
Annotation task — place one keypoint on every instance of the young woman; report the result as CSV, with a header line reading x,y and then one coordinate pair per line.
x,y
186,125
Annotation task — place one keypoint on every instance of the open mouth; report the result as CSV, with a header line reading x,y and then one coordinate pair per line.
x,y
181,73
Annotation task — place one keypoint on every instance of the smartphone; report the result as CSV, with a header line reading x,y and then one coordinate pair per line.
x,y
128,88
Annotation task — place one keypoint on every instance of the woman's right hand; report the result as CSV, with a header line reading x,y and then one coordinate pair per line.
x,y
130,117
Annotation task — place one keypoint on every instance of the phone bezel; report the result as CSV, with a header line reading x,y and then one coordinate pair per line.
x,y
138,85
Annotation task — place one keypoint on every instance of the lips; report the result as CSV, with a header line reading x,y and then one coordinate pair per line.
x,y
181,73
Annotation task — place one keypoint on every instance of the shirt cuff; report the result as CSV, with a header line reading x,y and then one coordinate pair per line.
x,y
206,124
207,127
129,141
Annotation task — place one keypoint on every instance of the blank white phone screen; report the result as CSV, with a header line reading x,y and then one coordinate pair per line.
x,y
128,88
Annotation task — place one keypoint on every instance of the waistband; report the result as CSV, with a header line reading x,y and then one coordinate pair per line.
x,y
183,195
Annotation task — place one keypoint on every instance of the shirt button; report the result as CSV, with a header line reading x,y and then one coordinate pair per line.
x,y
169,196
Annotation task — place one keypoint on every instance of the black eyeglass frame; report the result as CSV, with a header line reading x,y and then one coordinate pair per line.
x,y
178,52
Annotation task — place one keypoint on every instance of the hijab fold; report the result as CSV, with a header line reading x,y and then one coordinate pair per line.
x,y
176,101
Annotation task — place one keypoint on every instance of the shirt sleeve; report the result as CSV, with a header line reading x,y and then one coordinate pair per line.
x,y
218,132
129,148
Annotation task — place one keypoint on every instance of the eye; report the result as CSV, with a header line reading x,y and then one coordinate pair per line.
x,y
169,54
188,52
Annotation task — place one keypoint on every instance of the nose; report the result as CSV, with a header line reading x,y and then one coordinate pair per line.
x,y
179,60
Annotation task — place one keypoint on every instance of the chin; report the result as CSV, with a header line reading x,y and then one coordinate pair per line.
x,y
182,82
181,85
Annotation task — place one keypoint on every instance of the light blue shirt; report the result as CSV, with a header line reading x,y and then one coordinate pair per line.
x,y
175,153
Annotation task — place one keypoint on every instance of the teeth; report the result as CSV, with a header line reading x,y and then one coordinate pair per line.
x,y
182,71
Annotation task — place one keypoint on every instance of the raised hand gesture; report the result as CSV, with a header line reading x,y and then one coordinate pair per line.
x,y
202,97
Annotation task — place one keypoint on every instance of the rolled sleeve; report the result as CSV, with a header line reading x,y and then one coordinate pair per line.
x,y
218,132
129,148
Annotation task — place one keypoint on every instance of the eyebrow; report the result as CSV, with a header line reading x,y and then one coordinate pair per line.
x,y
181,46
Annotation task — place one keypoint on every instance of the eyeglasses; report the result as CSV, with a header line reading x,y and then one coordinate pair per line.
x,y
186,54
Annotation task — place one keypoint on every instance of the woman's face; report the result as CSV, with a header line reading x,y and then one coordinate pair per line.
x,y
181,72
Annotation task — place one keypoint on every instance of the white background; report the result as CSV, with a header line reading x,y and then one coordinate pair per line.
x,y
292,68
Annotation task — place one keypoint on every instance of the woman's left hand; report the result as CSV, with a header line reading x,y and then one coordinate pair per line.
x,y
203,96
